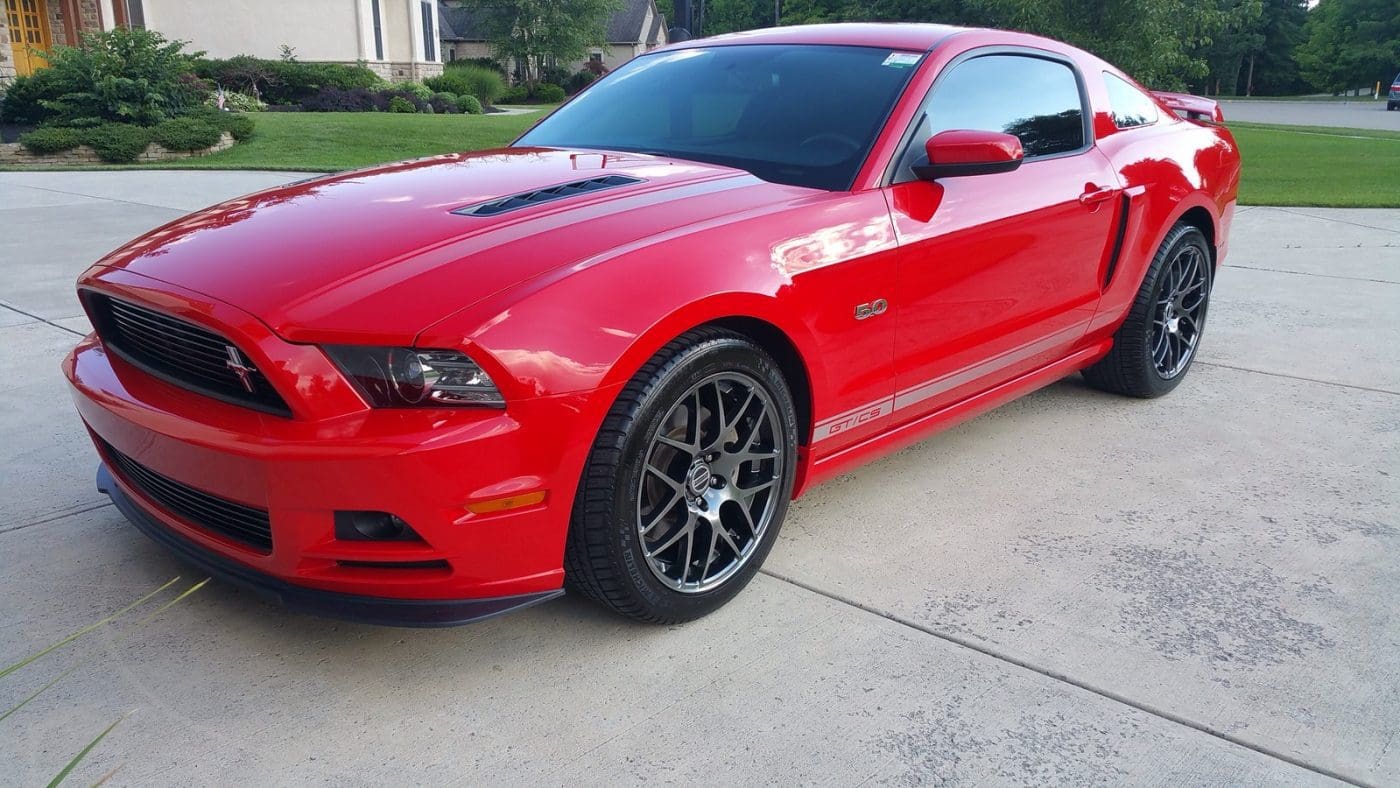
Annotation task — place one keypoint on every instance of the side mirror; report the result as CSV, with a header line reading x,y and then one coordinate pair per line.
x,y
960,152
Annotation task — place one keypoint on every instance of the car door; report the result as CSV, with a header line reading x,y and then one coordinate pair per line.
x,y
999,273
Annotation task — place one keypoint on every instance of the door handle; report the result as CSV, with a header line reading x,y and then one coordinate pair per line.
x,y
1097,194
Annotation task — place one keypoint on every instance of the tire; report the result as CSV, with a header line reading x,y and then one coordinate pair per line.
x,y
1165,314
628,546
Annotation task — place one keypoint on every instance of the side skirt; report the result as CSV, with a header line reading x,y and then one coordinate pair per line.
x,y
917,429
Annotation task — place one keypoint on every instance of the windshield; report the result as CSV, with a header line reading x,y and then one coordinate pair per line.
x,y
800,115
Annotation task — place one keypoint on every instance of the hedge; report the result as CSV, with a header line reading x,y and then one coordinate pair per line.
x,y
469,104
187,134
470,79
284,81
122,143
548,93
51,140
118,143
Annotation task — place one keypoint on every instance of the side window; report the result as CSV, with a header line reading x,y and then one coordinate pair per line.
x,y
1033,98
1129,106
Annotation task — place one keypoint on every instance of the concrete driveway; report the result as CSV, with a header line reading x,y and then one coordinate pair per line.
x,y
1361,114
1073,589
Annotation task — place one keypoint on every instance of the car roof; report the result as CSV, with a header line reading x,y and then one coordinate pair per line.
x,y
901,35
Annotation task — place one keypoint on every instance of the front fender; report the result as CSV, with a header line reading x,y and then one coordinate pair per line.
x,y
595,326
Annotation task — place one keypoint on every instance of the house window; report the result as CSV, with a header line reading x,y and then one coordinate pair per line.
x,y
128,14
429,34
378,30
595,57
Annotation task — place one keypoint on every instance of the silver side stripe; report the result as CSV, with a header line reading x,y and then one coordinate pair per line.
x,y
851,419
843,422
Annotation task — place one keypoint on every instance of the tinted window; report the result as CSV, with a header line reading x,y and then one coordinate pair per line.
x,y
1035,99
802,115
1130,106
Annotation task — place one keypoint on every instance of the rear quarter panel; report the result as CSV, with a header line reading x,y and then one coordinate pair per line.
x,y
1167,169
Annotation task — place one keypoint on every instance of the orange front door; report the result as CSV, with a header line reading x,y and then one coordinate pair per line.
x,y
29,33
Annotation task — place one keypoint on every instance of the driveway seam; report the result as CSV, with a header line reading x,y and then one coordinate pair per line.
x,y
53,517
1371,389
4,305
1064,678
1296,212
99,197
1309,273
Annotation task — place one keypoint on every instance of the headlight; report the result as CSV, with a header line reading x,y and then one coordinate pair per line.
x,y
400,377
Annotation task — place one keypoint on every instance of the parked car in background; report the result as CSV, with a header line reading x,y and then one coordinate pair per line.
x,y
611,354
1393,98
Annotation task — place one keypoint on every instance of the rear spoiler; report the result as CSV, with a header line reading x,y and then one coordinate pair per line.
x,y
1191,107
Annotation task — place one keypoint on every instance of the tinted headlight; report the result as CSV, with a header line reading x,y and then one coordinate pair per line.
x,y
400,377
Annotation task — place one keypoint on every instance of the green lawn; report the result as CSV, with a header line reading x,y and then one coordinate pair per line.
x,y
1283,165
332,141
1303,165
329,141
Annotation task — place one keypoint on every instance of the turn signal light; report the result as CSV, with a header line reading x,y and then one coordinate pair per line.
x,y
509,502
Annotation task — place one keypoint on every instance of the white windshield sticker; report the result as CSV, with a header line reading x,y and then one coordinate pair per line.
x,y
901,59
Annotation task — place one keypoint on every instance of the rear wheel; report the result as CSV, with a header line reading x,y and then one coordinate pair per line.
x,y
1154,348
688,481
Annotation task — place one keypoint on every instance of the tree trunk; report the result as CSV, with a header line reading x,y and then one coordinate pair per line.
x,y
1233,76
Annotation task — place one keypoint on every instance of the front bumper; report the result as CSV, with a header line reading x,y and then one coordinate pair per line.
x,y
425,467
351,607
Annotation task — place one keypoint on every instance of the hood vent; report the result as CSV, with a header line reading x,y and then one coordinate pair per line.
x,y
547,194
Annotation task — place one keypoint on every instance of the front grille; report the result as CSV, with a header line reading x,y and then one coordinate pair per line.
x,y
182,353
245,524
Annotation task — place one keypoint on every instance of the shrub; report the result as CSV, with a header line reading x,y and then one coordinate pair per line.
x,y
443,103
488,63
240,127
295,81
238,102
484,83
342,100
452,81
131,76
469,104
579,81
241,72
554,75
186,134
284,81
548,93
385,98
401,104
417,89
118,143
515,94
22,101
51,139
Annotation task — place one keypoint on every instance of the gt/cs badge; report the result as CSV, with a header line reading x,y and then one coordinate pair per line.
x,y
871,308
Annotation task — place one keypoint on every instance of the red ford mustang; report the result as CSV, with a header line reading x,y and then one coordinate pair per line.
x,y
612,353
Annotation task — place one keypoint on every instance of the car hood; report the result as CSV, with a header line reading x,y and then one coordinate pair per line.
x,y
381,252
